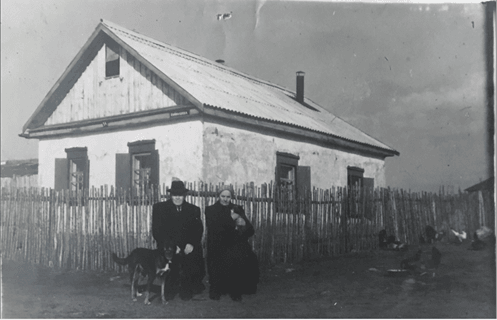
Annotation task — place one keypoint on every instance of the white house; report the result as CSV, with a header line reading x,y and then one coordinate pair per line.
x,y
131,111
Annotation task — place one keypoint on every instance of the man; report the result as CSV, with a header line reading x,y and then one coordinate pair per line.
x,y
180,220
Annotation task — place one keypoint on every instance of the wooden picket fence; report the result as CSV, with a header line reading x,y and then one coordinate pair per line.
x,y
80,231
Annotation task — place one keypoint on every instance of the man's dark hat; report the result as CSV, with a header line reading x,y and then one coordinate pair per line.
x,y
177,188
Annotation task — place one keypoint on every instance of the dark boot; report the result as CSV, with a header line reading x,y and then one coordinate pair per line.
x,y
236,297
185,294
214,295
198,288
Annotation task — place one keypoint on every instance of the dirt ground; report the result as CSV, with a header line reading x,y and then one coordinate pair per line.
x,y
352,286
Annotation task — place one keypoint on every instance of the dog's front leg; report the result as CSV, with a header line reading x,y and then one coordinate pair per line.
x,y
162,289
134,283
147,302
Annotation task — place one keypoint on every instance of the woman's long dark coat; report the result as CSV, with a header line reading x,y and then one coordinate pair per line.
x,y
231,264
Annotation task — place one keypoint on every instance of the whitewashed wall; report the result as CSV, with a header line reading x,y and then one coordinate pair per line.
x,y
179,145
234,155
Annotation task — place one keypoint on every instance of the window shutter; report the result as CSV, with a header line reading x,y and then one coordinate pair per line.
x,y
87,174
303,180
61,181
154,172
276,175
123,171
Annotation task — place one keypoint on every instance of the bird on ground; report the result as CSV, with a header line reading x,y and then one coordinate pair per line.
x,y
460,235
432,264
393,244
432,235
389,242
476,243
382,237
408,263
484,233
422,239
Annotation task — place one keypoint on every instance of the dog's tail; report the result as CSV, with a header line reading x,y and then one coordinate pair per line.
x,y
121,261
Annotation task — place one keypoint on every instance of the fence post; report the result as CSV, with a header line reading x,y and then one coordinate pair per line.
x,y
481,210
394,213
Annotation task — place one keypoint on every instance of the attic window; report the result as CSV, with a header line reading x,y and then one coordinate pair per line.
x,y
111,60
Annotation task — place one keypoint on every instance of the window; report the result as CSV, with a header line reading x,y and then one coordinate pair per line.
x,y
355,176
360,189
138,169
142,169
111,59
286,170
76,174
72,172
294,180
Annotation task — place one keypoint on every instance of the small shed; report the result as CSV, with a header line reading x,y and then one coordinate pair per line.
x,y
488,185
19,173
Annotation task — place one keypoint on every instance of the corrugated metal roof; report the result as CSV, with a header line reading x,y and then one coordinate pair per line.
x,y
217,85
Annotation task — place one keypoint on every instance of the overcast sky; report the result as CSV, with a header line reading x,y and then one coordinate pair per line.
x,y
410,75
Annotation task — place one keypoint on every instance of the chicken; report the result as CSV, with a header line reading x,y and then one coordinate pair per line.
x,y
432,235
393,244
484,233
476,243
460,236
389,242
408,263
382,237
432,264
422,239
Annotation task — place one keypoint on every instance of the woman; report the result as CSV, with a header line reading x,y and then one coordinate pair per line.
x,y
231,264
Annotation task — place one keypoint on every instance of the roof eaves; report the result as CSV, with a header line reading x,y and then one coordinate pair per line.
x,y
389,151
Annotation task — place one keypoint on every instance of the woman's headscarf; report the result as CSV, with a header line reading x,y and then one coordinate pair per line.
x,y
226,187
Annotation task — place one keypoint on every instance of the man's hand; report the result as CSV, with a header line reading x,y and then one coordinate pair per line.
x,y
188,248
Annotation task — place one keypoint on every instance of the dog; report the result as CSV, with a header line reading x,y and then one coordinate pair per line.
x,y
143,262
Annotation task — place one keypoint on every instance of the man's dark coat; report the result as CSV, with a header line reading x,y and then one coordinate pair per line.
x,y
184,228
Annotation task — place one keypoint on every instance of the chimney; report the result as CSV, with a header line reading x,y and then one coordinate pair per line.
x,y
300,86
